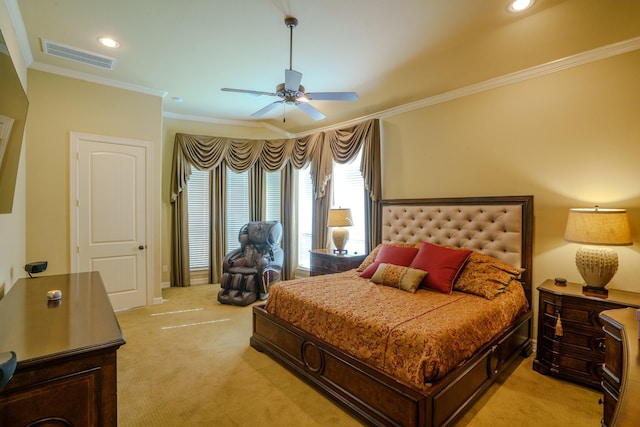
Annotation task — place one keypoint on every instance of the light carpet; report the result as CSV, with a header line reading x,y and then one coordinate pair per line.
x,y
187,362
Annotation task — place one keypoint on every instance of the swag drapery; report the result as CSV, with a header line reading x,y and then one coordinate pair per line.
x,y
317,150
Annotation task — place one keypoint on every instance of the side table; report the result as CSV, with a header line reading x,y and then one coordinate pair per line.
x,y
324,261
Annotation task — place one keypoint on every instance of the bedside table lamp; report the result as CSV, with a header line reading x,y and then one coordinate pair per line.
x,y
600,227
340,218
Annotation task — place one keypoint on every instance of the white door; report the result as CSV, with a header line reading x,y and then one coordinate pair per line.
x,y
110,223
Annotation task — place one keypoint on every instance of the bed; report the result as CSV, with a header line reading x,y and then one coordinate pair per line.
x,y
371,375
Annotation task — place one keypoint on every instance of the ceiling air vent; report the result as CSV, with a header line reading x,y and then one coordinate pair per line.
x,y
78,55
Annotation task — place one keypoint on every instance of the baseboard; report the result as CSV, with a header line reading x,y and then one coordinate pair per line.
x,y
165,285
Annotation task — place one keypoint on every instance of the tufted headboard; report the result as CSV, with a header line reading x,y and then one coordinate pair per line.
x,y
501,227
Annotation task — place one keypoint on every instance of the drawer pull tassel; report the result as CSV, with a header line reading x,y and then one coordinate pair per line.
x,y
559,332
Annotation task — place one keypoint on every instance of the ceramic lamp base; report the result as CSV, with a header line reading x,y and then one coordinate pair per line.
x,y
596,265
340,237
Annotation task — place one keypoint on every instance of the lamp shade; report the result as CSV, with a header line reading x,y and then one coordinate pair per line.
x,y
600,227
595,226
340,217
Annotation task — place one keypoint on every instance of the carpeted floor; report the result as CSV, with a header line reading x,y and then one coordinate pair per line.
x,y
187,362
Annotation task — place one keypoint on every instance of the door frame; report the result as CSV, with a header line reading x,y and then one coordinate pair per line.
x,y
75,139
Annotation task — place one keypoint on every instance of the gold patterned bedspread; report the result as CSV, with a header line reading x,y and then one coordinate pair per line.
x,y
415,338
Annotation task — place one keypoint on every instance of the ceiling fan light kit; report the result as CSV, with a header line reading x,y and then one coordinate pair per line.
x,y
291,92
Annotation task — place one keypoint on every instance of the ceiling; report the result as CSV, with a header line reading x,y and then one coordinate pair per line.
x,y
390,52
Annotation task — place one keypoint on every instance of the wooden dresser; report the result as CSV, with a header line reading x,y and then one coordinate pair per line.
x,y
324,261
621,371
66,370
577,354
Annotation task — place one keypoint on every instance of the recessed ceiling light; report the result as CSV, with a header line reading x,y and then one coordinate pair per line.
x,y
520,5
108,42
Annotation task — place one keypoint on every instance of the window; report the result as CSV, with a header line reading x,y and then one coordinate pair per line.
x,y
348,192
198,197
305,216
237,209
272,196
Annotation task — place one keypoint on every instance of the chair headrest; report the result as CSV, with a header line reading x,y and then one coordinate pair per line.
x,y
262,233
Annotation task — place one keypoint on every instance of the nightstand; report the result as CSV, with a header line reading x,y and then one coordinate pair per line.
x,y
574,349
324,261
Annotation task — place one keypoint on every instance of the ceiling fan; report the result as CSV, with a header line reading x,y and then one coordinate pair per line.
x,y
291,92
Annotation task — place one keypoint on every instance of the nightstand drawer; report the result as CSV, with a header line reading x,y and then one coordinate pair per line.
x,y
574,339
578,367
324,261
575,312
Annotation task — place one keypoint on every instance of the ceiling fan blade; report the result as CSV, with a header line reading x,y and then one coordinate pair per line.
x,y
265,110
332,96
310,110
292,79
251,92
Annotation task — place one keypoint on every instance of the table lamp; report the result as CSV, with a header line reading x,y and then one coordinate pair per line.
x,y
340,218
595,228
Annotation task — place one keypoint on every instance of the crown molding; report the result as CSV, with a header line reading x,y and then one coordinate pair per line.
x,y
568,62
94,79
21,32
244,123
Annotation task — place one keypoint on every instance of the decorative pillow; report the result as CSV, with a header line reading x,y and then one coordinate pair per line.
x,y
442,263
486,276
391,254
374,253
405,278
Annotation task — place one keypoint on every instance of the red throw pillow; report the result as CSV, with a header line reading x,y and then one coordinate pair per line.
x,y
396,255
443,265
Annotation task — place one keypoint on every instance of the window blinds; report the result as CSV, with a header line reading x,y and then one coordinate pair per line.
x,y
198,213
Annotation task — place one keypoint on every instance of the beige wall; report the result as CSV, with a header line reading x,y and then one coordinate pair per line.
x,y
59,106
13,225
571,139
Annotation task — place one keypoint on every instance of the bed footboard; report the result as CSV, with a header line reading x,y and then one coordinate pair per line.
x,y
372,395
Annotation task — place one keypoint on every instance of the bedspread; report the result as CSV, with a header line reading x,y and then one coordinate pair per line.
x,y
416,338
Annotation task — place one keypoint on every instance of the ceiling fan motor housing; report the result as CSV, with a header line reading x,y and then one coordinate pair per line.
x,y
290,22
290,96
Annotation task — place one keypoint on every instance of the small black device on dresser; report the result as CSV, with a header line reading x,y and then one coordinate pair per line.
x,y
571,341
324,261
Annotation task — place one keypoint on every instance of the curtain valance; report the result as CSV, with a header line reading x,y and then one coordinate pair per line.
x,y
317,150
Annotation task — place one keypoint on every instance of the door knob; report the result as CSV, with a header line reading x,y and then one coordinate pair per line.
x,y
141,247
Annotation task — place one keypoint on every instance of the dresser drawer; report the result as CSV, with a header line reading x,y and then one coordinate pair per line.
x,y
610,400
613,358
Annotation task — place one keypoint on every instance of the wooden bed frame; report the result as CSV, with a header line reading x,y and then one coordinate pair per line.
x,y
377,398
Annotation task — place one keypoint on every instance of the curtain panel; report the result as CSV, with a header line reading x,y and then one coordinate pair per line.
x,y
317,150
